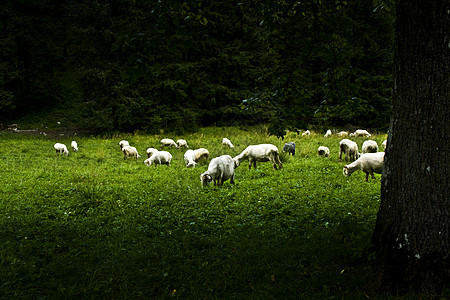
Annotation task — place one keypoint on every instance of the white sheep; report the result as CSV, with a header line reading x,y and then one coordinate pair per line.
x,y
261,152
74,146
289,148
323,151
201,154
342,133
369,163
61,149
369,146
182,143
129,151
189,158
123,144
227,142
150,152
192,157
360,133
306,133
220,169
159,158
168,142
349,148
328,133
384,144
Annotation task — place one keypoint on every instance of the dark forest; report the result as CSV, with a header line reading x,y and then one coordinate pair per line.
x,y
150,65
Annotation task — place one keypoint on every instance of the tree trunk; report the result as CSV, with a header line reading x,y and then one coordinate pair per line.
x,y
412,234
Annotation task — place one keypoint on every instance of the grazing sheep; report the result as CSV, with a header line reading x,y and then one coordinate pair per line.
x,y
289,148
150,152
369,163
369,146
342,133
189,158
349,148
261,152
74,146
323,151
61,149
328,133
192,157
123,144
306,133
182,143
220,169
360,133
227,142
168,142
384,144
159,158
201,154
129,151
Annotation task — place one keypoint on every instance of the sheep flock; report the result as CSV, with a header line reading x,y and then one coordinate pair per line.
x,y
221,168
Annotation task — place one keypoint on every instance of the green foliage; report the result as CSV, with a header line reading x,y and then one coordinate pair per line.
x,y
175,65
95,225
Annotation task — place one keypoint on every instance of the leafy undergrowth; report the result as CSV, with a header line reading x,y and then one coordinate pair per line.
x,y
95,225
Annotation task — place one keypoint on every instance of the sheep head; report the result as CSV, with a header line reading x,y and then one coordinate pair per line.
x,y
205,178
345,171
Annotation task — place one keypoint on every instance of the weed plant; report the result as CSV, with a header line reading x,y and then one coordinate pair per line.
x,y
93,225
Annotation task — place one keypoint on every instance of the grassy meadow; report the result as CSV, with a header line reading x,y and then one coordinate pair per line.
x,y
94,225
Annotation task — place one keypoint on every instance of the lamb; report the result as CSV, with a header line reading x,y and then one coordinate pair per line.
x,y
150,152
74,146
384,144
328,133
220,169
182,143
192,157
342,133
306,133
369,146
227,142
61,149
360,132
189,158
369,163
323,151
261,152
129,151
289,148
123,143
159,158
349,148
168,142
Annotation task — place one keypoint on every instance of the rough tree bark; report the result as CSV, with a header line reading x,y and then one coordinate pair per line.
x,y
412,233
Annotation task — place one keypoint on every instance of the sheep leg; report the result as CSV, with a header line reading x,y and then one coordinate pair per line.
x,y
220,180
250,164
367,176
232,179
273,163
277,159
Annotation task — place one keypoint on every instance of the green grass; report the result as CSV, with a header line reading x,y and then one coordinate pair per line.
x,y
93,225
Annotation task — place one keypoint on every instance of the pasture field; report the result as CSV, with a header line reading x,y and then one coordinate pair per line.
x,y
93,225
